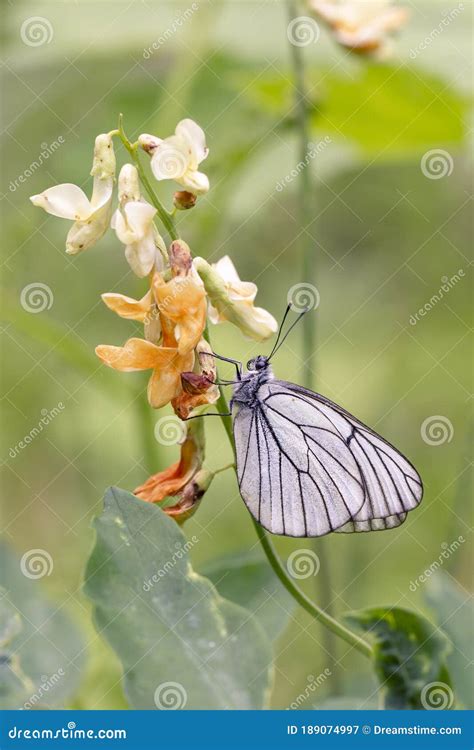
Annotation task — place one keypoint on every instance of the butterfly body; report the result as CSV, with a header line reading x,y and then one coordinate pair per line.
x,y
306,467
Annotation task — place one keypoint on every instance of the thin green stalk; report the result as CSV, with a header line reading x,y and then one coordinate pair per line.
x,y
308,275
164,215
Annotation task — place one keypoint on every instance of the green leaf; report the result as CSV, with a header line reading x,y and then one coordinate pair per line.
x,y
42,650
391,111
410,657
453,610
249,580
180,643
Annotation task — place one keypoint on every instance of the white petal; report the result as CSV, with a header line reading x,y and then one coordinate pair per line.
x,y
84,234
170,159
66,201
226,270
101,192
195,182
139,216
194,135
141,256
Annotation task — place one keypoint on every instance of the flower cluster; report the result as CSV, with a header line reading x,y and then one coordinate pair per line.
x,y
182,293
363,26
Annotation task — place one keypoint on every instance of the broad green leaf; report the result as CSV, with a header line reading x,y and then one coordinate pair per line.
x,y
249,580
180,643
409,657
453,610
42,646
391,111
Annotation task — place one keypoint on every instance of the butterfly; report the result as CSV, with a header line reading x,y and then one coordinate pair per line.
x,y
306,467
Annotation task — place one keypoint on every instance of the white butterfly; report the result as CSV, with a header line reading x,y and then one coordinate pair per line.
x,y
307,467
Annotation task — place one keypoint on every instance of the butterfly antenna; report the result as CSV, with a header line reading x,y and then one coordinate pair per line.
x,y
279,343
288,308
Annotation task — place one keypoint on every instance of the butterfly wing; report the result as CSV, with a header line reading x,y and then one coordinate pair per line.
x,y
307,467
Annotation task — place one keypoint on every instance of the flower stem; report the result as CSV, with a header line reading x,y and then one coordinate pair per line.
x,y
132,149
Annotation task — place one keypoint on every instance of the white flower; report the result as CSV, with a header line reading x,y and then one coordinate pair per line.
x,y
178,156
361,25
91,217
133,224
232,299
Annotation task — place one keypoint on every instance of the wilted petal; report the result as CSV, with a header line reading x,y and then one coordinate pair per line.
x,y
165,382
67,201
127,307
136,354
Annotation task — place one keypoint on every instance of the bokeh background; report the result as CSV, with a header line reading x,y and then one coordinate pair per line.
x,y
385,234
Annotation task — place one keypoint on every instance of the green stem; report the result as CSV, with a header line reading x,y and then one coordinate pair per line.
x,y
164,215
308,275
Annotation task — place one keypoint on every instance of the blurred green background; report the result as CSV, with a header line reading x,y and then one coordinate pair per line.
x,y
384,234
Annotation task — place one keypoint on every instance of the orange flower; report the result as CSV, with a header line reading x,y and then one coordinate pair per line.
x,y
182,301
165,361
186,478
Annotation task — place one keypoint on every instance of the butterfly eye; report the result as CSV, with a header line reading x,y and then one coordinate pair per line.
x,y
251,364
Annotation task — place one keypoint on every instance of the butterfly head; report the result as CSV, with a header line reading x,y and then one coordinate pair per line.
x,y
258,364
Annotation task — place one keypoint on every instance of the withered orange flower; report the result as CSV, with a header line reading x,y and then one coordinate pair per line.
x,y
182,300
165,361
186,478
199,388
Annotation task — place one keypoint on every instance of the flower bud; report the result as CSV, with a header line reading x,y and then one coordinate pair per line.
x,y
184,200
128,184
103,165
180,258
148,143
